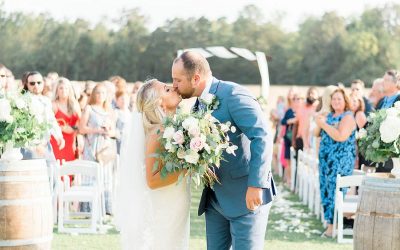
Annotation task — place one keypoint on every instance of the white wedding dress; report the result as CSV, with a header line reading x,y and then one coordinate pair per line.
x,y
148,219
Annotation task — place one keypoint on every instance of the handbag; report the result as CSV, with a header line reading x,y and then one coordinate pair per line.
x,y
106,150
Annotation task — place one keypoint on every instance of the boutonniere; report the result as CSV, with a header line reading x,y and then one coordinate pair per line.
x,y
210,101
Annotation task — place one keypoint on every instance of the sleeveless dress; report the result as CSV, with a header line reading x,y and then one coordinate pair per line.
x,y
334,158
68,152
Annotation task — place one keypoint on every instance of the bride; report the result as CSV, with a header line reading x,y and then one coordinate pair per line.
x,y
152,212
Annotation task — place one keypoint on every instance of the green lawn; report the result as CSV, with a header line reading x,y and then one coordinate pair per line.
x,y
290,226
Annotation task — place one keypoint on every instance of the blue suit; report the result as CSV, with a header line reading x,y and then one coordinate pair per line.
x,y
228,221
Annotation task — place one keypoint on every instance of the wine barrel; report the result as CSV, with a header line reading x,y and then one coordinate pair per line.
x,y
377,222
26,220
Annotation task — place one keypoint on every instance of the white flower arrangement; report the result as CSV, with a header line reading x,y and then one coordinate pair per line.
x,y
380,141
20,122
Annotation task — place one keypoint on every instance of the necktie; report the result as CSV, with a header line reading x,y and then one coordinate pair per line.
x,y
196,105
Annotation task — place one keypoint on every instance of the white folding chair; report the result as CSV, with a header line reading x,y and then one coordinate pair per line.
x,y
345,204
293,168
310,180
91,193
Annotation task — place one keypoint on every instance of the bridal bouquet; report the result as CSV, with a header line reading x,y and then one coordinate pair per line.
x,y
380,141
21,123
195,142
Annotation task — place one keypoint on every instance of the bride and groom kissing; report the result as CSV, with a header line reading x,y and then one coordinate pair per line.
x,y
153,212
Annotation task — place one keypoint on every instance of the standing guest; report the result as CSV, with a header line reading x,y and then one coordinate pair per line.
x,y
304,115
337,151
287,122
85,95
358,88
33,87
132,103
391,80
120,83
96,125
377,92
358,108
67,112
122,114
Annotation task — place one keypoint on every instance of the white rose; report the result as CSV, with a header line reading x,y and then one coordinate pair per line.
x,y
372,115
20,103
224,128
207,98
168,146
392,112
168,133
362,133
192,157
231,150
5,110
233,129
190,122
178,137
194,131
390,129
181,154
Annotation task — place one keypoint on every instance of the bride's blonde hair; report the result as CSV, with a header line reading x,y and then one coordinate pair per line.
x,y
148,103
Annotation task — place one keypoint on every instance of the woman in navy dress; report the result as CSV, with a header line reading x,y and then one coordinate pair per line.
x,y
337,152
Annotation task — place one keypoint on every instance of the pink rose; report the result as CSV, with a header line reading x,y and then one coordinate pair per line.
x,y
178,137
197,144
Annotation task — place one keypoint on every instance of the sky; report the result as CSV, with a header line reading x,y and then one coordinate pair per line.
x,y
161,10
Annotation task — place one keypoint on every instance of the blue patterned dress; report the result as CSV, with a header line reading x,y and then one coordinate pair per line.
x,y
334,158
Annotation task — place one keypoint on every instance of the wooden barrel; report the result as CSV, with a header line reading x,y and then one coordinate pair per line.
x,y
377,222
26,220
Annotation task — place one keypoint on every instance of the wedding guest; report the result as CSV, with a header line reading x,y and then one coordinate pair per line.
x,y
122,114
33,87
120,83
97,126
85,96
304,115
391,81
287,122
358,88
132,103
358,108
67,112
337,151
377,92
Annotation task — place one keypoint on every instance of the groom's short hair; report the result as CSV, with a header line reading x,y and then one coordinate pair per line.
x,y
194,62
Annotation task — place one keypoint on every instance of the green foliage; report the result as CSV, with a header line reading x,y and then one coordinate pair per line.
x,y
324,50
372,143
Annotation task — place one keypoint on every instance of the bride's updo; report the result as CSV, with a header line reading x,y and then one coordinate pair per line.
x,y
148,103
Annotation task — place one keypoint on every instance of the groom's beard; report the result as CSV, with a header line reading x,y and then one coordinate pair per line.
x,y
188,94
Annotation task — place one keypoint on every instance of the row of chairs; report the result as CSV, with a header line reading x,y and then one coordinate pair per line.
x,y
305,183
67,196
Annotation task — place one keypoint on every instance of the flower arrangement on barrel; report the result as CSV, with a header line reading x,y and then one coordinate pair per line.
x,y
21,123
380,141
195,142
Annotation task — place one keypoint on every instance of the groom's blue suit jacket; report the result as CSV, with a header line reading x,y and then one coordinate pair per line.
x,y
251,167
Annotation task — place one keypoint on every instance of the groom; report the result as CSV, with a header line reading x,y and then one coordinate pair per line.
x,y
236,210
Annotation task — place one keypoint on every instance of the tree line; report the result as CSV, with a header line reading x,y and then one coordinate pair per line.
x,y
324,50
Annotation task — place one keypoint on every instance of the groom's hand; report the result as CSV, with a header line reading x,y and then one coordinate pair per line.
x,y
253,198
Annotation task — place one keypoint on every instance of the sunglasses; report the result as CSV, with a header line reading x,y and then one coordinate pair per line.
x,y
34,83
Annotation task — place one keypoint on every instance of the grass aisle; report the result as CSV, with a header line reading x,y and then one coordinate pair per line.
x,y
290,226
